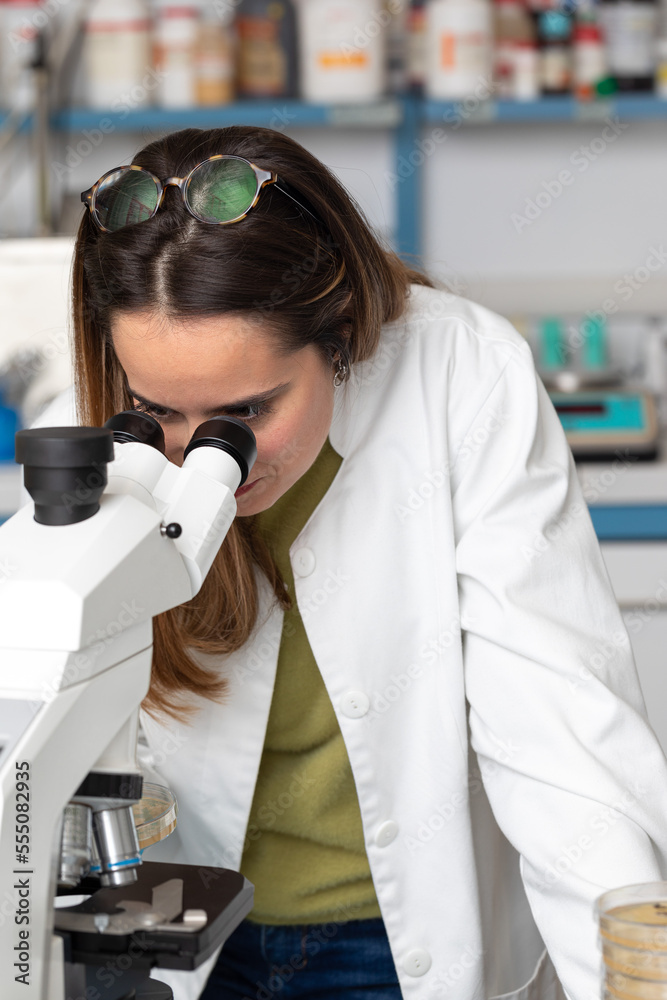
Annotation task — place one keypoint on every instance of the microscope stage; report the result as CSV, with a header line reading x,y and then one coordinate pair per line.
x,y
144,916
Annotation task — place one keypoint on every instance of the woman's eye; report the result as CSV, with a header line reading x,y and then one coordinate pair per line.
x,y
253,412
159,412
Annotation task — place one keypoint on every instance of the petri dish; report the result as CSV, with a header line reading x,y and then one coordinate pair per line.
x,y
633,936
155,814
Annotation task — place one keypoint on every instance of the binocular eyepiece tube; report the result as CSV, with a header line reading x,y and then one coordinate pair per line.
x,y
65,468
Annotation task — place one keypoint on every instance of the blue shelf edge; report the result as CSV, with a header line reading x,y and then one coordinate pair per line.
x,y
390,112
641,522
272,114
545,109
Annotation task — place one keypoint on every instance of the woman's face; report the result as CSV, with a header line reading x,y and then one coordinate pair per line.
x,y
183,372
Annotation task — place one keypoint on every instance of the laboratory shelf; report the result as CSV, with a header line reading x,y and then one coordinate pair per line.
x,y
278,114
640,522
546,109
270,114
406,116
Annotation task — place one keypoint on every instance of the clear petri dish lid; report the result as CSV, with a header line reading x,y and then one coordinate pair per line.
x,y
635,916
155,814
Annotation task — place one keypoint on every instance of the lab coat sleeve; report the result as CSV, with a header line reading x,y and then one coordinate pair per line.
x,y
574,774
146,758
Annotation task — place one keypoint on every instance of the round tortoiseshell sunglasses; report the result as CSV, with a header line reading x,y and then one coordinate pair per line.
x,y
219,190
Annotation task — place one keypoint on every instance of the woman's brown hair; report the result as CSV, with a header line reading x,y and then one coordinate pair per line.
x,y
331,285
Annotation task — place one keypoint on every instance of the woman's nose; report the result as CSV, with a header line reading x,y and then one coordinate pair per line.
x,y
177,439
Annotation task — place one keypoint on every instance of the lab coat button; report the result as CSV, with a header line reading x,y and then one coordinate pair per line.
x,y
386,833
354,704
303,562
417,962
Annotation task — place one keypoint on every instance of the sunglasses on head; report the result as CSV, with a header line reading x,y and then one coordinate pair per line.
x,y
219,190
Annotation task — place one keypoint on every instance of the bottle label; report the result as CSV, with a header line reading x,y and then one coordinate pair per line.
x,y
464,51
555,69
342,60
630,30
262,62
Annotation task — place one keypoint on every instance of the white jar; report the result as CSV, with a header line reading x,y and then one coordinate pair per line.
x,y
526,84
214,58
459,36
630,31
175,53
116,54
342,45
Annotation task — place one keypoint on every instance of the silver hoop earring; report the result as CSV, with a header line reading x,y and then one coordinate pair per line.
x,y
341,372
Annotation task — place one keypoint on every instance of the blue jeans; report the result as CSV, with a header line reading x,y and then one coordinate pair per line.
x,y
309,961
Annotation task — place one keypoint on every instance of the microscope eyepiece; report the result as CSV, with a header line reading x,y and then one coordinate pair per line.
x,y
230,435
64,470
133,425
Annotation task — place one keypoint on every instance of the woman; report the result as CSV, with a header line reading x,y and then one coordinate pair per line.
x,y
404,703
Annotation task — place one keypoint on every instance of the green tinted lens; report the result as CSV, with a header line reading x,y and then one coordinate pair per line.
x,y
221,190
126,197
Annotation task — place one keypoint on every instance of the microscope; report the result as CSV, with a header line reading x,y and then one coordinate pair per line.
x,y
115,535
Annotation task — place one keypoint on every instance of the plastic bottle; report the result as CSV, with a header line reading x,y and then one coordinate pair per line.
x,y
214,59
20,22
116,53
551,343
526,72
459,35
396,48
267,50
174,53
630,31
594,347
554,34
590,64
416,46
342,49
512,30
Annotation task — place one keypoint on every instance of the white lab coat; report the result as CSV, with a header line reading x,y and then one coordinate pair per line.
x,y
456,603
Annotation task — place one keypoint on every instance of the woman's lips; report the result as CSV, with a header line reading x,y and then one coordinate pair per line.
x,y
248,486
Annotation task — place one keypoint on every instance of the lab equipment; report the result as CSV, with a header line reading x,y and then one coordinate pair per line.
x,y
633,936
175,53
155,814
599,422
116,534
116,52
459,47
588,56
554,28
594,347
552,345
215,56
342,50
267,48
630,28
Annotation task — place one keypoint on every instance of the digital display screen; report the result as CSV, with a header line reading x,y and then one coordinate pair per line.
x,y
580,408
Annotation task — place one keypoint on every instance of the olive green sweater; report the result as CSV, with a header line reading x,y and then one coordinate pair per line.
x,y
305,851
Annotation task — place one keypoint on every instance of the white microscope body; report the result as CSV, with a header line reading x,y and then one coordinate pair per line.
x,y
76,607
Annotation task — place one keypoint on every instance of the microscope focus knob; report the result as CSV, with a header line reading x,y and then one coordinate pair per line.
x,y
64,470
